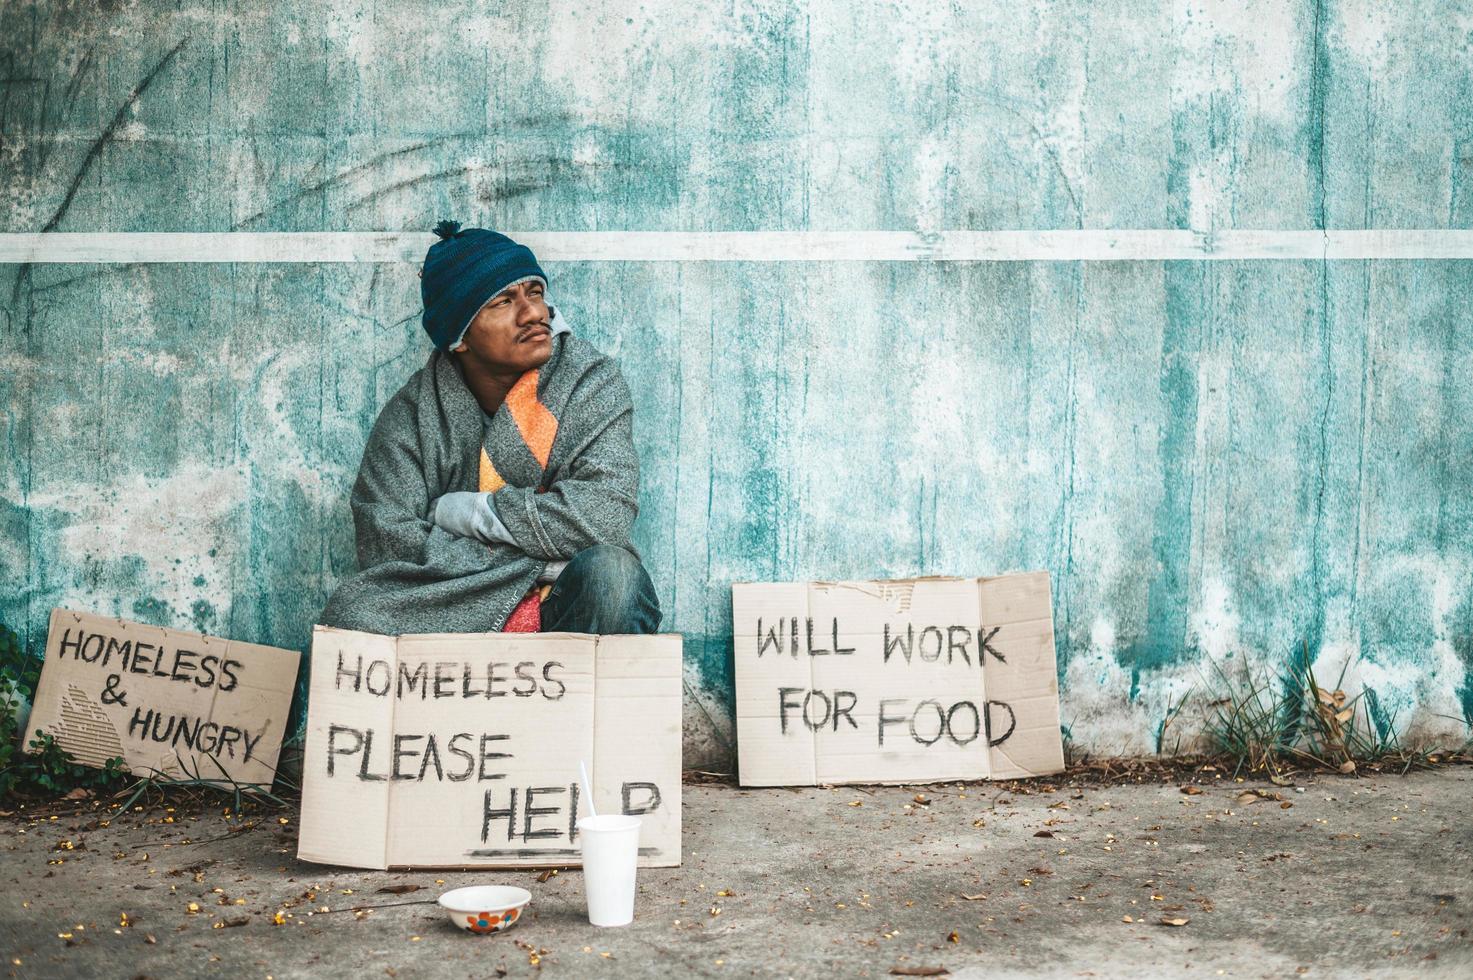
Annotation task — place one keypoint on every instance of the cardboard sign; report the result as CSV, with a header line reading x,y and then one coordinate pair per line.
x,y
895,682
172,702
462,749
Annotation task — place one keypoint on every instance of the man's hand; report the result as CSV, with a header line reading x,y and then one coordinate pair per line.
x,y
472,515
461,512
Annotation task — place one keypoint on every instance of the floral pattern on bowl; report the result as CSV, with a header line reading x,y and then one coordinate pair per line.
x,y
484,922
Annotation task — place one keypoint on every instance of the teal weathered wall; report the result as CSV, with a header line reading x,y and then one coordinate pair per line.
x,y
1218,461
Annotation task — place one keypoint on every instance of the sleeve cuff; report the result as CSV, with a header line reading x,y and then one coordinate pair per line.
x,y
489,527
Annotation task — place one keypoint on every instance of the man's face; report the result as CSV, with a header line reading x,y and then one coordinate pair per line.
x,y
511,332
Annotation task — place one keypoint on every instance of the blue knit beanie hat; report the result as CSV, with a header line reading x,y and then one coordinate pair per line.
x,y
463,270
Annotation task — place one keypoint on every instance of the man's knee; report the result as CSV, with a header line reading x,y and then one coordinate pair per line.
x,y
610,576
607,566
614,589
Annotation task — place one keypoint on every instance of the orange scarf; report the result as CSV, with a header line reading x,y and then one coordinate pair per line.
x,y
538,427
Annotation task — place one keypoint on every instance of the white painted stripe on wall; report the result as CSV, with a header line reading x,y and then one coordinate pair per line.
x,y
1090,245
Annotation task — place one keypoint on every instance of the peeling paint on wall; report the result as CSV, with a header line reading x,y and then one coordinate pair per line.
x,y
1220,463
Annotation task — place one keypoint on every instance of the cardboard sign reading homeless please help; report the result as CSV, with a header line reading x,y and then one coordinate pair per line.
x,y
907,681
166,701
462,749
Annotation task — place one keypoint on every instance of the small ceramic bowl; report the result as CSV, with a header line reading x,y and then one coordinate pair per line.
x,y
485,908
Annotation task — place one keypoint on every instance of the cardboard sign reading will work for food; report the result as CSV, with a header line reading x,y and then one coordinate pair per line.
x,y
166,701
907,681
462,749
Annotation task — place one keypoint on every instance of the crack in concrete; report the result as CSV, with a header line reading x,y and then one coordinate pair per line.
x,y
107,134
338,178
23,274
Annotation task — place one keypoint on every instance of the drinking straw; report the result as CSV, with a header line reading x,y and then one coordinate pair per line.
x,y
587,788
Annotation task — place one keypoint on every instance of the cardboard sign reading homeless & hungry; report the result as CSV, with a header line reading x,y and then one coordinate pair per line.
x,y
909,681
167,701
462,749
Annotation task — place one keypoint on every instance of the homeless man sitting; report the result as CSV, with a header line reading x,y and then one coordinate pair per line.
x,y
497,490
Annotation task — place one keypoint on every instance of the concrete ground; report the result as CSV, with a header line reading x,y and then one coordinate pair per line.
x,y
1334,876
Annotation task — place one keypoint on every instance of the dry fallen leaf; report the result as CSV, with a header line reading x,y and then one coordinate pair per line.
x,y
1126,918
399,889
1348,766
1044,833
952,937
1192,790
547,875
918,971
1165,921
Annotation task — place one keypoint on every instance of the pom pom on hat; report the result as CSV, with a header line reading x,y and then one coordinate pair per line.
x,y
447,229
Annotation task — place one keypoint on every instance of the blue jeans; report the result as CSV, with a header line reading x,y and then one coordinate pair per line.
x,y
604,589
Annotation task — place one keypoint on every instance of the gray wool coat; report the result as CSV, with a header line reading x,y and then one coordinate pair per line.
x,y
414,577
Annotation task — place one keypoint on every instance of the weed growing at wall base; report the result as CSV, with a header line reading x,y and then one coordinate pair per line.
x,y
1270,726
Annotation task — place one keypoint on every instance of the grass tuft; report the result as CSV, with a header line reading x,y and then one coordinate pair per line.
x,y
1299,722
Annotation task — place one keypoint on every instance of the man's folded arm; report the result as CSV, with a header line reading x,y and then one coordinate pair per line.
x,y
392,519
471,514
594,502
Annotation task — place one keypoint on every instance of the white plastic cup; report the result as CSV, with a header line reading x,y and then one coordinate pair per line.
x,y
610,853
